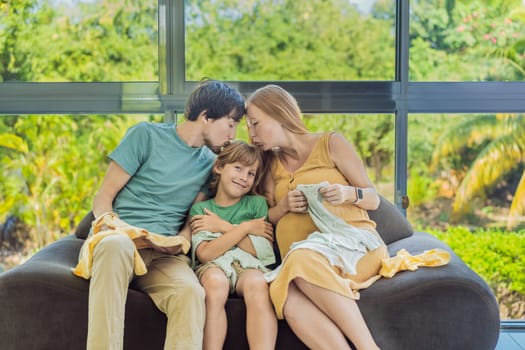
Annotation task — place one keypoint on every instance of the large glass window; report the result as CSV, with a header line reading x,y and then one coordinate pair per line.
x,y
466,182
338,58
466,170
467,40
78,40
290,40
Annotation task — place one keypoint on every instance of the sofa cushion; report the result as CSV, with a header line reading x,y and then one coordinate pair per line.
x,y
391,224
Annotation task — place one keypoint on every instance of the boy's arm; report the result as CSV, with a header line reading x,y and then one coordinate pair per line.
x,y
210,250
266,232
261,234
247,245
209,221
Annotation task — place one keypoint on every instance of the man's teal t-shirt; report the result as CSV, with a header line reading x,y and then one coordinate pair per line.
x,y
166,176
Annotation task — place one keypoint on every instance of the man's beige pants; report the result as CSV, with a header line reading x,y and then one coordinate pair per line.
x,y
170,282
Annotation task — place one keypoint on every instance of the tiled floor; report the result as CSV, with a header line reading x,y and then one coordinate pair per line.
x,y
512,335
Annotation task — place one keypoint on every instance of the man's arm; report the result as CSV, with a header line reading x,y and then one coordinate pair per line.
x,y
114,180
186,229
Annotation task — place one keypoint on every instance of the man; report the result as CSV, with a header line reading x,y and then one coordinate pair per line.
x,y
155,174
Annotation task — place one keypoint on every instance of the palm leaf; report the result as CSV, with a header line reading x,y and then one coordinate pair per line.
x,y
511,54
13,142
517,208
498,158
468,133
518,14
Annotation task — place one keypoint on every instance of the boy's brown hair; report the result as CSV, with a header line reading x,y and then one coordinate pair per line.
x,y
246,154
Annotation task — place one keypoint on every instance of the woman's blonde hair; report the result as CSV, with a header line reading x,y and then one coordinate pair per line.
x,y
279,104
246,154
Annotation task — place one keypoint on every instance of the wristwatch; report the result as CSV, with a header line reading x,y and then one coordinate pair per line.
x,y
358,195
359,192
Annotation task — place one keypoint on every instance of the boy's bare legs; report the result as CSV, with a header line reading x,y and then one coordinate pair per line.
x,y
217,289
341,311
261,321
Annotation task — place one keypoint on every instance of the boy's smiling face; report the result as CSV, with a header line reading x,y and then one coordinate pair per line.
x,y
236,179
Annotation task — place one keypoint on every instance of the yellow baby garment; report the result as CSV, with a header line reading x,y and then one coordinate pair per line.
x,y
110,224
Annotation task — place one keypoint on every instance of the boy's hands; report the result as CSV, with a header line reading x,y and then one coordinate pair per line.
x,y
209,222
213,223
259,227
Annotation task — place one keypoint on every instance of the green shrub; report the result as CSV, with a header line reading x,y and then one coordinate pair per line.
x,y
497,256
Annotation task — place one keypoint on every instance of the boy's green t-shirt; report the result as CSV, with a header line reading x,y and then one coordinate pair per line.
x,y
166,176
248,208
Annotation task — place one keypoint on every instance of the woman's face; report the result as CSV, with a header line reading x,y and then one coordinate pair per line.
x,y
263,129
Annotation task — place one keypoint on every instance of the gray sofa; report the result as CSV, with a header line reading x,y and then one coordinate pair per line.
x,y
43,306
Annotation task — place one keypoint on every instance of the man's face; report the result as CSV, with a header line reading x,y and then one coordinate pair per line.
x,y
220,132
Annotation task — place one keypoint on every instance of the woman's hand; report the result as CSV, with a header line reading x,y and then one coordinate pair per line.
x,y
209,222
293,202
335,194
258,227
297,202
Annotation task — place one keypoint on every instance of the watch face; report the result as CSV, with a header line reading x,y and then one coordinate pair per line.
x,y
359,193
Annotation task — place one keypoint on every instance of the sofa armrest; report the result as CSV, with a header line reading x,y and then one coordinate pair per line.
x,y
447,307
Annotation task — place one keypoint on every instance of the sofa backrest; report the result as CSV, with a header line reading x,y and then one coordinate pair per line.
x,y
391,224
84,226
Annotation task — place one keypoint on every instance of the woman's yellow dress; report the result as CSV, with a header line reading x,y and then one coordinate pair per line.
x,y
292,227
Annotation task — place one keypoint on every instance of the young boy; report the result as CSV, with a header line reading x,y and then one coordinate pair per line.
x,y
234,261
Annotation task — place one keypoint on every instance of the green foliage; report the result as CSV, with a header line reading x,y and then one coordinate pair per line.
x,y
43,41
51,184
286,40
13,142
424,131
447,39
17,18
497,256
421,188
461,141
489,148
